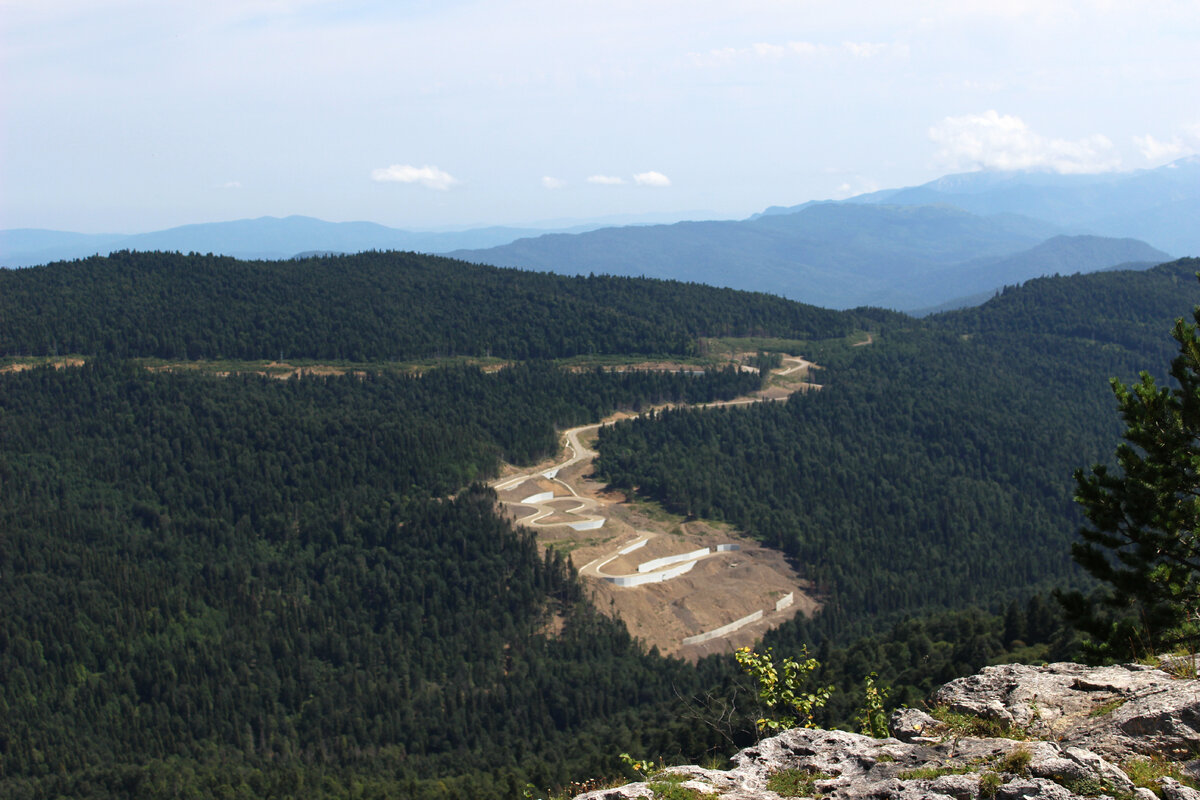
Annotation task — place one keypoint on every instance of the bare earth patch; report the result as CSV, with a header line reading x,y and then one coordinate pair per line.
x,y
57,363
705,575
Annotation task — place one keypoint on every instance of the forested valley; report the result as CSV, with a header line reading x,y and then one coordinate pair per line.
x,y
240,586
207,573
932,468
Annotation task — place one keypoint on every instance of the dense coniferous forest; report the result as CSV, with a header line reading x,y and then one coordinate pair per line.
x,y
245,572
241,586
933,468
374,306
917,654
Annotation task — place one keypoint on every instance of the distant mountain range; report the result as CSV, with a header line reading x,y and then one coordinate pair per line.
x,y
947,243
276,238
265,238
1160,206
837,255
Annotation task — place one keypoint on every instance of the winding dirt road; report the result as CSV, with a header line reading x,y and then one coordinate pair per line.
x,y
535,497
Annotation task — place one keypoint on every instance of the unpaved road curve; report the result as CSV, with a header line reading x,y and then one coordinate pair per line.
x,y
576,512
579,453
589,509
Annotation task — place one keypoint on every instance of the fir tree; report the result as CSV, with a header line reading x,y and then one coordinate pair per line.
x,y
1143,533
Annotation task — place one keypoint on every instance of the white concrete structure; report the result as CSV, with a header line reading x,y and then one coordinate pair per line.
x,y
587,524
629,548
540,497
653,577
724,629
659,563
785,601
728,548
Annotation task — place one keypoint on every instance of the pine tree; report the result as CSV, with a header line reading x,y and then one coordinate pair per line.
x,y
1143,534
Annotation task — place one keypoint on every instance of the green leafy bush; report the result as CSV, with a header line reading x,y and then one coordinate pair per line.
x,y
782,688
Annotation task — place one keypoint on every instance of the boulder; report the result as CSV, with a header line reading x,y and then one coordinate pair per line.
x,y
1118,712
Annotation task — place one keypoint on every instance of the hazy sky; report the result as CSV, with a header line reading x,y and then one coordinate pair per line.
x,y
129,116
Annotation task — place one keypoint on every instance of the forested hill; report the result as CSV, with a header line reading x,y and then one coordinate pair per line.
x,y
934,467
374,306
239,586
1119,307
249,587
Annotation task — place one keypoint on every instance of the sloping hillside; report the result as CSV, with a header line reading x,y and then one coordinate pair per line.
x,y
372,306
935,464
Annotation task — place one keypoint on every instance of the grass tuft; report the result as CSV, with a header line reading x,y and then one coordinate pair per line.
x,y
1108,708
796,782
1146,772
1017,761
963,725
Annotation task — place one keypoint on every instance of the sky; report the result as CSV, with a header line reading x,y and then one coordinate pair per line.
x,y
132,115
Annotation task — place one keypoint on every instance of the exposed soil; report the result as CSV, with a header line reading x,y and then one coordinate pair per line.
x,y
57,363
719,588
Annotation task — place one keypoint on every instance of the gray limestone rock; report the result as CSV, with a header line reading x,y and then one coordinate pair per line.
x,y
1034,788
1116,711
914,725
960,787
847,766
1079,722
1174,790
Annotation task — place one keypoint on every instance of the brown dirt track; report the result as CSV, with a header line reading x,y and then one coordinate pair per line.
x,y
719,589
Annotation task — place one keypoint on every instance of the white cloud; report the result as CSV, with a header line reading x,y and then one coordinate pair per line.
x,y
760,50
655,179
552,183
1004,142
605,180
231,185
864,49
806,48
1157,151
1154,150
428,176
768,51
777,51
855,187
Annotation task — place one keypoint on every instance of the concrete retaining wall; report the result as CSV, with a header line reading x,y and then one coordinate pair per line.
x,y
658,563
785,601
728,548
630,548
586,525
724,629
653,577
540,497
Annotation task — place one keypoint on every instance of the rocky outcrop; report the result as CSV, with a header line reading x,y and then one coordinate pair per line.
x,y
1067,730
1119,712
